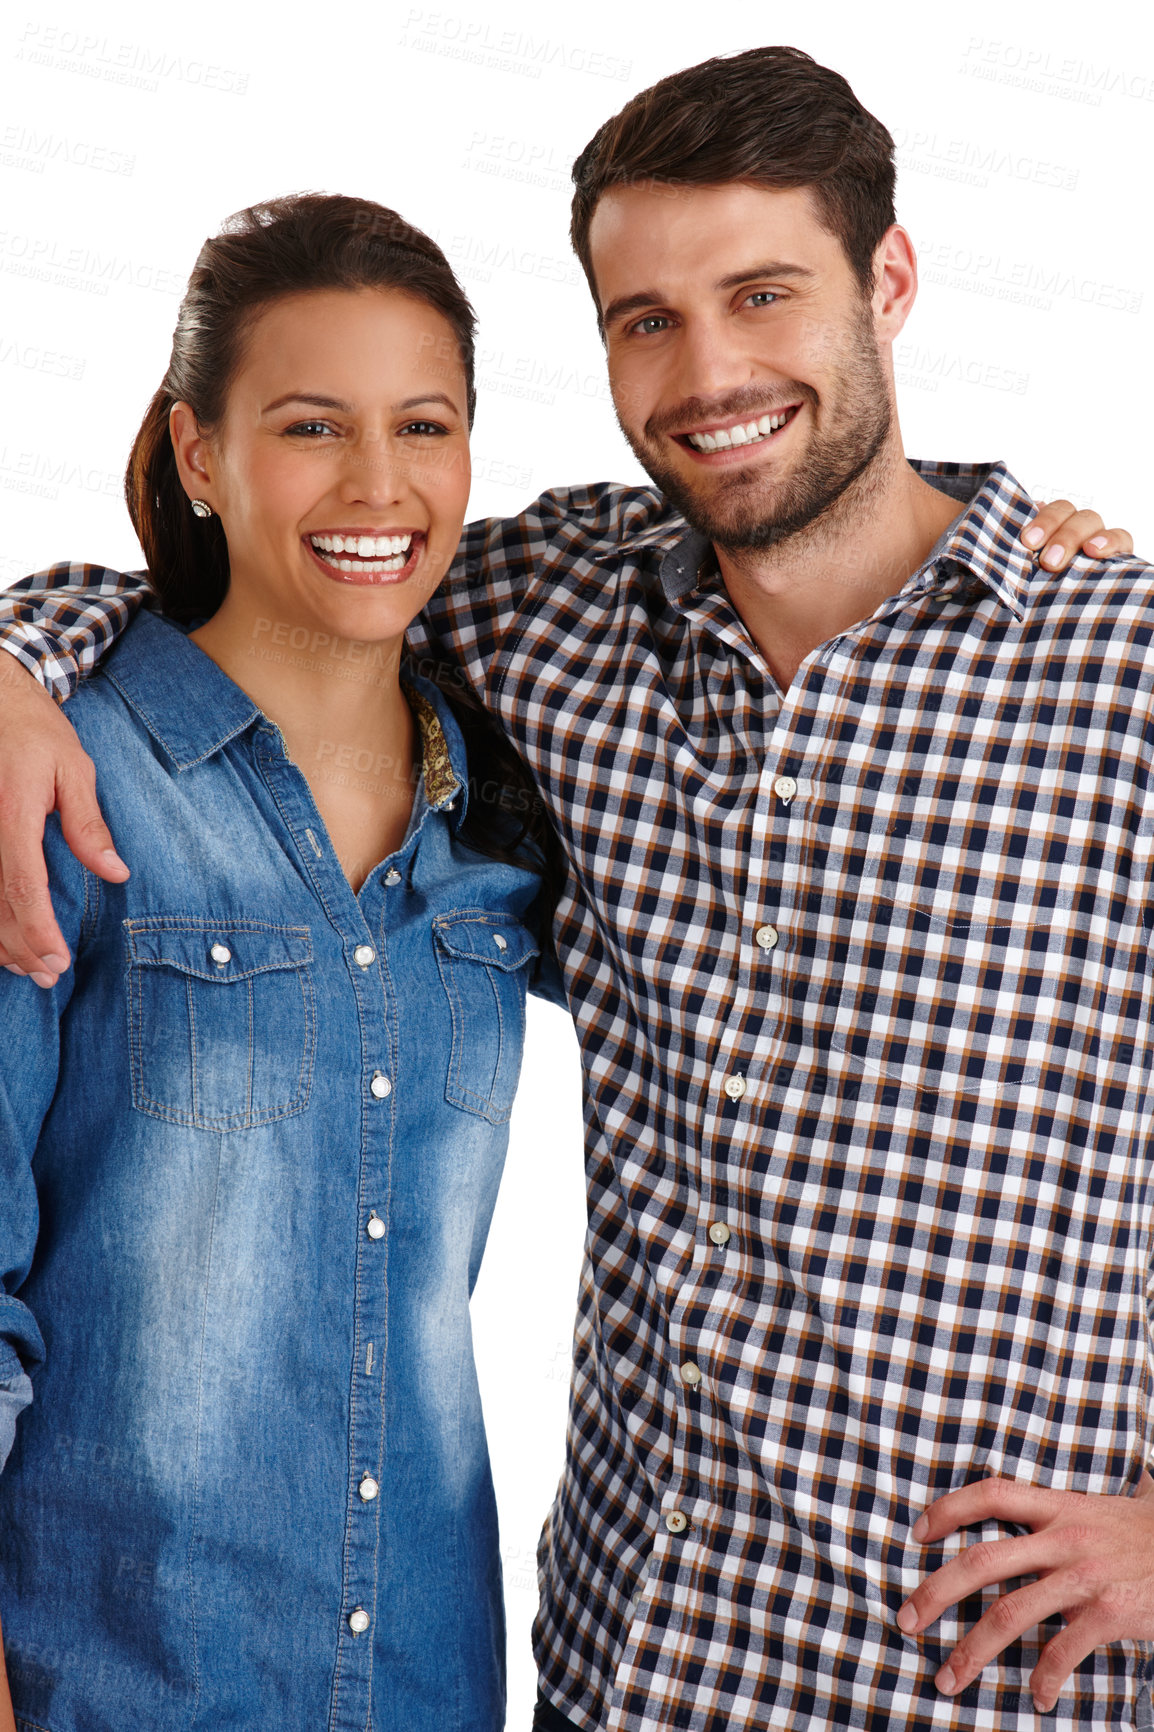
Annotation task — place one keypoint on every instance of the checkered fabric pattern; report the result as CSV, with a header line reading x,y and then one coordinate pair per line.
x,y
861,976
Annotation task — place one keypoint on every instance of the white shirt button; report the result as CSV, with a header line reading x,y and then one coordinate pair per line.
x,y
501,942
676,1522
363,955
766,937
720,1233
375,1227
691,1374
359,1621
220,954
368,1488
392,876
380,1087
785,787
735,1087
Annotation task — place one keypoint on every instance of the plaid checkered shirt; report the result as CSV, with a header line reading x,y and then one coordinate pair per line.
x,y
861,976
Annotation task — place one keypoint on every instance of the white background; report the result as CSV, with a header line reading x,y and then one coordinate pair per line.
x,y
128,131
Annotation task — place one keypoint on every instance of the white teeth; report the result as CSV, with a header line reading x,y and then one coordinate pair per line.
x,y
727,438
373,567
365,546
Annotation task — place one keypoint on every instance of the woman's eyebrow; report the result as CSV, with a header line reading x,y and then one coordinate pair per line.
x,y
317,402
430,397
313,401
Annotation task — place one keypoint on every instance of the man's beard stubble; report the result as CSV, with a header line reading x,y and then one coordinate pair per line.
x,y
734,513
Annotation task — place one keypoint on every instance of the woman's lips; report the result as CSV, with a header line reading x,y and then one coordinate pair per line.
x,y
388,559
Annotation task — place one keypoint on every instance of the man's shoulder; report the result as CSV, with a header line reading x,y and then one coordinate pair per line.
x,y
599,520
1114,597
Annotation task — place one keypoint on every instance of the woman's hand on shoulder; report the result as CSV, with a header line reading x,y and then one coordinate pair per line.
x,y
43,768
1058,532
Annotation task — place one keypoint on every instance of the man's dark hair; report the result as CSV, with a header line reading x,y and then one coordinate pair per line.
x,y
769,117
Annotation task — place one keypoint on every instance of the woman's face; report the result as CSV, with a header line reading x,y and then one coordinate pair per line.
x,y
340,469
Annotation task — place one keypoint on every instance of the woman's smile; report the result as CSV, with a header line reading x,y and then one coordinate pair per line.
x,y
366,556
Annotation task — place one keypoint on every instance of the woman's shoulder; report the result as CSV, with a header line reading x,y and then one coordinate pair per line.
x,y
154,688
100,701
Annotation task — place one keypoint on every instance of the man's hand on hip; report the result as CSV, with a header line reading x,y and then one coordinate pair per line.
x,y
1092,1557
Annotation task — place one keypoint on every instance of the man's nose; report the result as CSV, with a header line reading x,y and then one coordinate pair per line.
x,y
711,361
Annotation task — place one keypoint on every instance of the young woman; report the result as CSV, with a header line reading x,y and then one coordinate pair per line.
x,y
250,1141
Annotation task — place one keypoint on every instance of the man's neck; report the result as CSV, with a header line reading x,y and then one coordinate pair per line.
x,y
807,590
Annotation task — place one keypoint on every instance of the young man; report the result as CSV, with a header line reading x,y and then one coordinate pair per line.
x,y
855,795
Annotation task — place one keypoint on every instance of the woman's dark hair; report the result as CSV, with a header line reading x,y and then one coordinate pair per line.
x,y
286,246
290,246
769,117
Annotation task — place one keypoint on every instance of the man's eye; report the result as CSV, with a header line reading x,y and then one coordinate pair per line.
x,y
651,324
763,298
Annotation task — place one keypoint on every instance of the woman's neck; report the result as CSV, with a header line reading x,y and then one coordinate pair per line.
x,y
344,719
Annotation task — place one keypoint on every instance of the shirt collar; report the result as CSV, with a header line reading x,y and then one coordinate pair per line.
x,y
191,707
984,540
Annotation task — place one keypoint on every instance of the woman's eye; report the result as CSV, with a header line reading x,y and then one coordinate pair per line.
x,y
310,429
424,429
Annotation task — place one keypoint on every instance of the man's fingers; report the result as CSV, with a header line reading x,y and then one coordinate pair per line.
x,y
82,825
44,768
30,940
979,1566
1006,1621
1078,1637
1007,1500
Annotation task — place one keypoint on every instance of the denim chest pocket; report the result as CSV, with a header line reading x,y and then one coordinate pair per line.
x,y
484,960
221,1020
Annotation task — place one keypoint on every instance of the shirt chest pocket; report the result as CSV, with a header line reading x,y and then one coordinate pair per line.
x,y
484,961
221,1021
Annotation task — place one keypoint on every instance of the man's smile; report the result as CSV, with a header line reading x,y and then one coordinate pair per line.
x,y
738,433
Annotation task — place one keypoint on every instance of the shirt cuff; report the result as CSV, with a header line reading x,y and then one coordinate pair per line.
x,y
37,654
15,1396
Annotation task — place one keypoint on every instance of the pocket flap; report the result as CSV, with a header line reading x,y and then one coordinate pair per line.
x,y
497,942
217,950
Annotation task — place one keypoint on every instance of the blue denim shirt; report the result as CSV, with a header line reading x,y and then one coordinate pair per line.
x,y
249,1149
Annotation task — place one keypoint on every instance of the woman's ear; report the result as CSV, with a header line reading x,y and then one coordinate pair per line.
x,y
193,453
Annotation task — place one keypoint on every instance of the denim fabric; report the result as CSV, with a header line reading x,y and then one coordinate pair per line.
x,y
198,1126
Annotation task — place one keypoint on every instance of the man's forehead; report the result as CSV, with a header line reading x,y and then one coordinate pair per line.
x,y
710,236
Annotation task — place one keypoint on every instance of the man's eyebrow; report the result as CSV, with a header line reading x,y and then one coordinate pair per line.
x,y
626,304
774,268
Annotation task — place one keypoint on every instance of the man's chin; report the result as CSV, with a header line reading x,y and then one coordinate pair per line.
x,y
746,519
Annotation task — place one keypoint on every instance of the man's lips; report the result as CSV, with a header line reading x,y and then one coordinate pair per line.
x,y
366,556
738,433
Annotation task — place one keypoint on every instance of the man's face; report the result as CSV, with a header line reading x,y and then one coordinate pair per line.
x,y
743,356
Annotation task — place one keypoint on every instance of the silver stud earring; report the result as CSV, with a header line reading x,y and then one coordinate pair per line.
x,y
201,508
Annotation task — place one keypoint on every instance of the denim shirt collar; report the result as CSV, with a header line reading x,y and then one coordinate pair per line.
x,y
192,718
